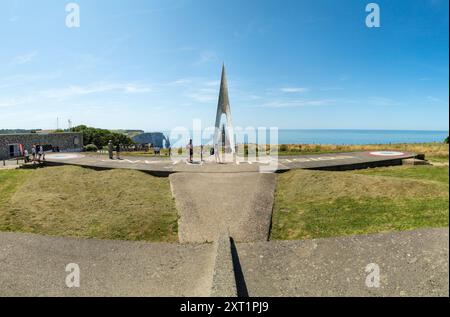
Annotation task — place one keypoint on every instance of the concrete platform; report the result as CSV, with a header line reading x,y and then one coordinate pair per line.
x,y
411,263
34,265
166,166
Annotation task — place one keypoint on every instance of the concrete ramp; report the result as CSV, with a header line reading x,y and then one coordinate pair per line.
x,y
211,203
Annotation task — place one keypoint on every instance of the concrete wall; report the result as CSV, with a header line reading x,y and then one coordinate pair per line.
x,y
67,142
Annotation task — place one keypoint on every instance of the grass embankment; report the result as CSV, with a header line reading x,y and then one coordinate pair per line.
x,y
72,201
433,151
314,204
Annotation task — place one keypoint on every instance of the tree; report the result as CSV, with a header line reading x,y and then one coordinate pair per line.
x,y
446,140
101,137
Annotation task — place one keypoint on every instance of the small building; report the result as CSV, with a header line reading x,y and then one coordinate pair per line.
x,y
11,144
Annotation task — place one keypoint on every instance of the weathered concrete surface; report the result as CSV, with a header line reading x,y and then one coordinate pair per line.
x,y
224,280
412,263
164,166
211,203
34,265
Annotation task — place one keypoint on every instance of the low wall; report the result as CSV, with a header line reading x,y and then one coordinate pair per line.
x,y
67,142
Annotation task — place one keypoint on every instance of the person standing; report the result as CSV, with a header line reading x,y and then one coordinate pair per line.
x,y
26,157
110,150
41,153
38,154
118,151
190,149
33,152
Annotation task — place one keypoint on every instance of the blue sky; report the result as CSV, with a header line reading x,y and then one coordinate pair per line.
x,y
155,65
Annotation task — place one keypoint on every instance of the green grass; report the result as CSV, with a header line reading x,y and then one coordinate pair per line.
x,y
10,180
314,204
421,173
73,201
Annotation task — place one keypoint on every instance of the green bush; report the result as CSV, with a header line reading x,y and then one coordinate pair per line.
x,y
446,140
91,148
283,148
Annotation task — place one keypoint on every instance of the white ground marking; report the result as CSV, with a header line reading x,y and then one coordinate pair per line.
x,y
387,153
64,156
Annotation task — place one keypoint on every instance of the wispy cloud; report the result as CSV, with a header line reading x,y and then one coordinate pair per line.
x,y
203,95
14,101
21,80
206,57
95,88
298,103
181,81
294,89
331,88
212,83
24,59
433,99
382,101
344,77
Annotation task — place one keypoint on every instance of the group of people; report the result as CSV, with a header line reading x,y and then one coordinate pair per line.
x,y
37,154
111,150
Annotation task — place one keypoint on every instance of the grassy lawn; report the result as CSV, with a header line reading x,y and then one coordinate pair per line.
x,y
313,204
438,152
73,201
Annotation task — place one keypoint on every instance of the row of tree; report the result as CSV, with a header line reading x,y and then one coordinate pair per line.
x,y
101,137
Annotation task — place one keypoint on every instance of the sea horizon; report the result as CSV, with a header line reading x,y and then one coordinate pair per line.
x,y
347,136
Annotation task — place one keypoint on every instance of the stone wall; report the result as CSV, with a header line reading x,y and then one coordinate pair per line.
x,y
67,142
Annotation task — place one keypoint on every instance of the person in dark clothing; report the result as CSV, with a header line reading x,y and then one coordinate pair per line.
x,y
190,148
110,150
118,151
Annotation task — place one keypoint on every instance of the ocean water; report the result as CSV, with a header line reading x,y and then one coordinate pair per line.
x,y
336,137
357,137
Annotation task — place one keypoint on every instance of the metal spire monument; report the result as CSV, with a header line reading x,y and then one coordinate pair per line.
x,y
223,107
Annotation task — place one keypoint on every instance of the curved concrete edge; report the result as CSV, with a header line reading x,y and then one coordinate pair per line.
x,y
224,278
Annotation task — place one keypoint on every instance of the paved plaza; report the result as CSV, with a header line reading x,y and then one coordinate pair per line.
x,y
166,166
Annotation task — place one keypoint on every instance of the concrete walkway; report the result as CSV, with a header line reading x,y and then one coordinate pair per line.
x,y
210,204
412,263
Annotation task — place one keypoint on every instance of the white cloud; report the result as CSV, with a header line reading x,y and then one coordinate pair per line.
x,y
135,89
206,57
14,101
433,99
294,89
23,59
344,77
101,87
181,81
298,103
212,83
382,101
203,95
331,88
